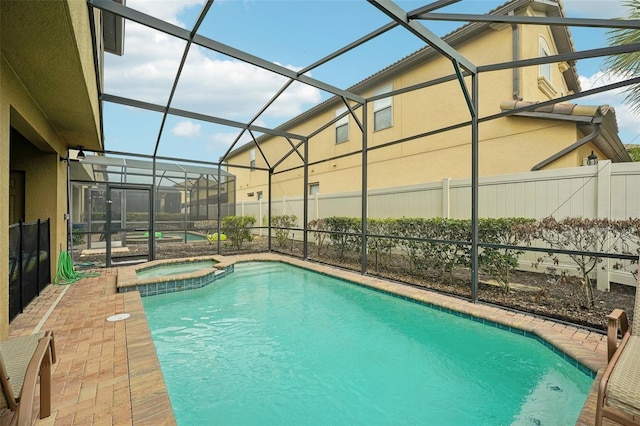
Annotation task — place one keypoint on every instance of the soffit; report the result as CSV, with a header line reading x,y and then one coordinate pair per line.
x,y
38,42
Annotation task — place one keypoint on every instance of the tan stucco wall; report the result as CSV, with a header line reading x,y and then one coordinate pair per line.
x,y
30,103
507,145
82,35
45,184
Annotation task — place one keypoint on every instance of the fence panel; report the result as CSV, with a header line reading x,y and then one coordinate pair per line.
x,y
605,190
29,263
570,192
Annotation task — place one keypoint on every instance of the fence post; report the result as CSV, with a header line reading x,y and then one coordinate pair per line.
x,y
260,221
446,198
603,211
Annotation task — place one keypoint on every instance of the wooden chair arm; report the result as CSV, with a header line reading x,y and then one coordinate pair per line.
x,y
39,366
617,316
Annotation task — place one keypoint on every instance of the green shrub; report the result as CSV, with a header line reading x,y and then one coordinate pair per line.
x,y
318,226
349,238
501,262
283,221
379,247
406,229
454,250
238,229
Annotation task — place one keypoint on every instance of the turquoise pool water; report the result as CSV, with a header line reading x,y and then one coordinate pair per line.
x,y
272,344
174,268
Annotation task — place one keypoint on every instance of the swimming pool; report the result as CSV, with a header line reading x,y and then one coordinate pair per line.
x,y
174,268
275,344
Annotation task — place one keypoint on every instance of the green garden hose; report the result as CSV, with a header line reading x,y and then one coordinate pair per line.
x,y
66,273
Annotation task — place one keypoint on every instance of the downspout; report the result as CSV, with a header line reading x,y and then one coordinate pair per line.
x,y
515,42
596,132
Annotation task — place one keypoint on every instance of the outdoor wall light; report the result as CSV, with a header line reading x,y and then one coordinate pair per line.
x,y
81,155
592,159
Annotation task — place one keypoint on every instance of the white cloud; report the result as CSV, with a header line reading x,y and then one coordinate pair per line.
x,y
187,129
210,83
220,86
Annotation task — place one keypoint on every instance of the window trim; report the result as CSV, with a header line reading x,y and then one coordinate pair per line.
x,y
544,70
383,104
344,121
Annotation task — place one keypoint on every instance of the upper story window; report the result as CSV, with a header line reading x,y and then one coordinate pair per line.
x,y
252,159
545,69
342,126
383,109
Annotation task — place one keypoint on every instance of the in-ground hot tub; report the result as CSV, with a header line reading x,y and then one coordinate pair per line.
x,y
171,275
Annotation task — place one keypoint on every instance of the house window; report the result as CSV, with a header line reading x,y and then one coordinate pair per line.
x,y
252,159
342,126
382,110
259,194
545,69
314,188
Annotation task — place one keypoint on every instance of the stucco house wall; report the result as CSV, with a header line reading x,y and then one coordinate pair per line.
x,y
48,103
507,145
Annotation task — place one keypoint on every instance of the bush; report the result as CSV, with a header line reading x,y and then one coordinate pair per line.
x,y
453,251
238,229
349,236
318,226
584,235
501,262
280,222
379,247
405,229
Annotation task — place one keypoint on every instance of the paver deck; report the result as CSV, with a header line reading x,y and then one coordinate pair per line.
x,y
108,372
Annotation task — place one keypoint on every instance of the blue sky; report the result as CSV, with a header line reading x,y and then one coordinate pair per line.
x,y
291,33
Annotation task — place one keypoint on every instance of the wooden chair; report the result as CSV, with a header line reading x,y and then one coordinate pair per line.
x,y
22,361
619,390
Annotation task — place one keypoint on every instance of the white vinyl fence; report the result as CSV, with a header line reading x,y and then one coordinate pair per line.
x,y
605,190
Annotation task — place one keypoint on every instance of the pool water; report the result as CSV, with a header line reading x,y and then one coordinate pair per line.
x,y
174,269
276,344
190,236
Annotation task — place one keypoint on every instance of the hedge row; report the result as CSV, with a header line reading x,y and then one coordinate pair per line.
x,y
434,244
443,244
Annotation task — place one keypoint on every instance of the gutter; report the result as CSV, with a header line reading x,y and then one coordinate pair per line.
x,y
596,132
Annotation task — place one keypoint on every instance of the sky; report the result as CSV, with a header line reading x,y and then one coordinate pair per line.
x,y
292,34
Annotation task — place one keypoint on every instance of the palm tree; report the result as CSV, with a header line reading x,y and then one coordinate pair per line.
x,y
627,65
